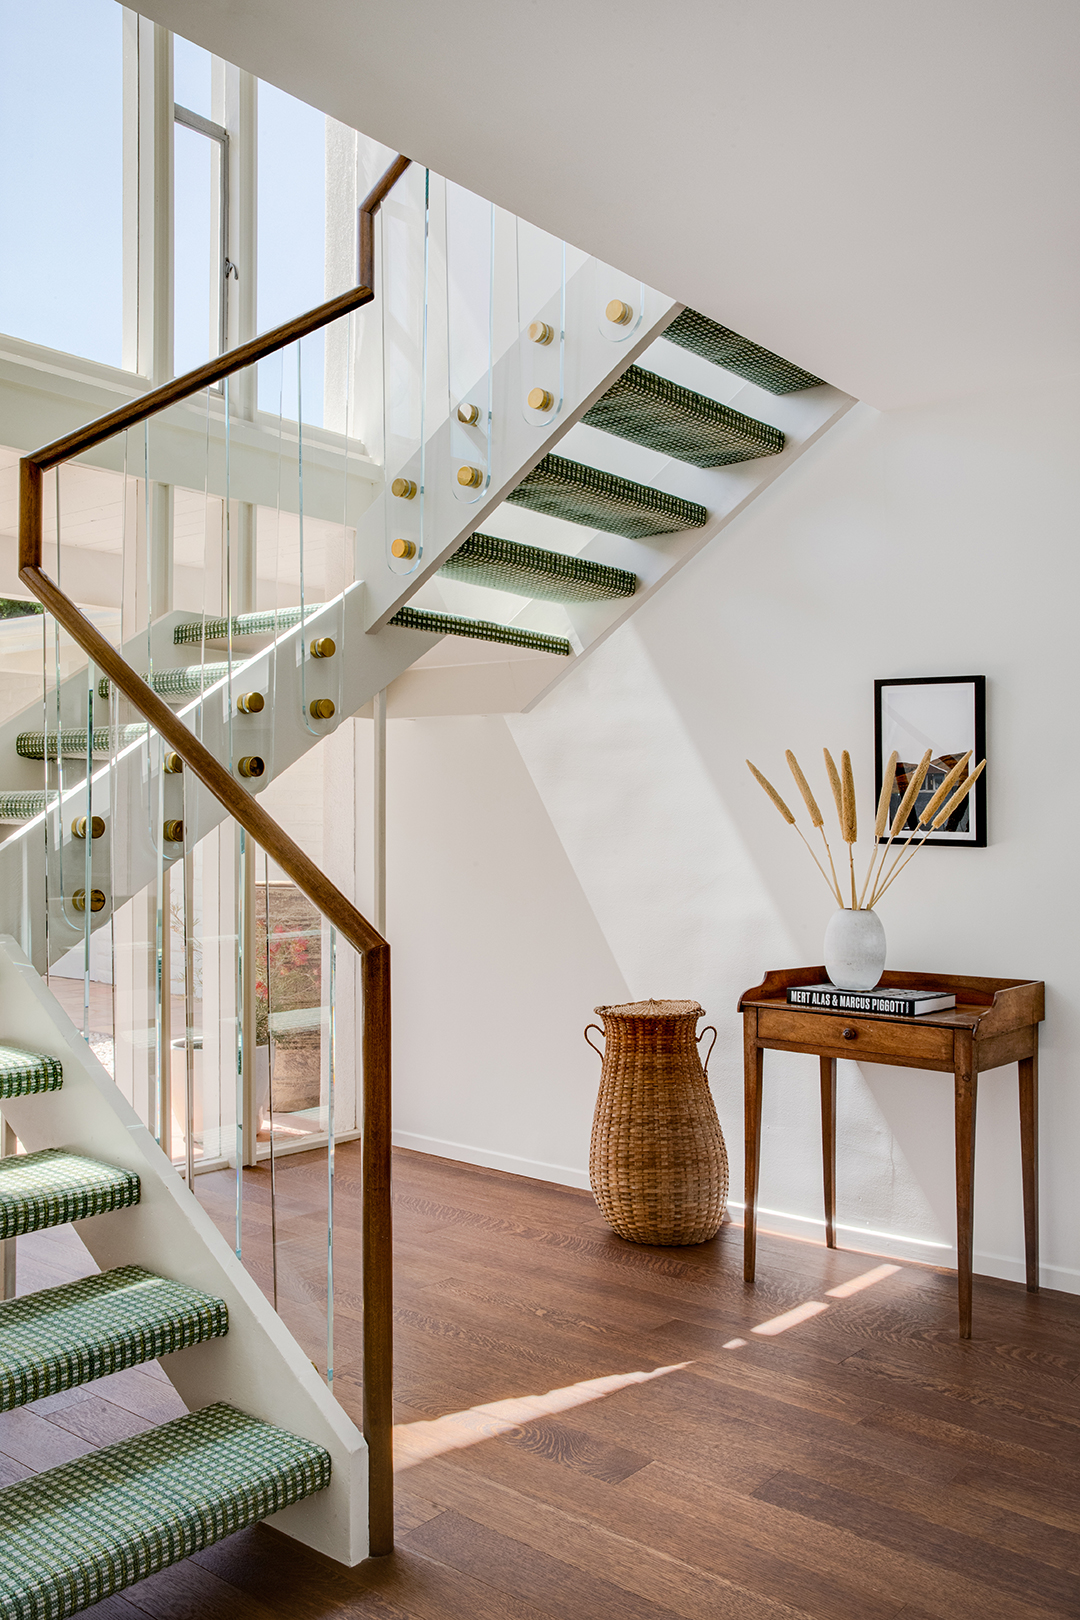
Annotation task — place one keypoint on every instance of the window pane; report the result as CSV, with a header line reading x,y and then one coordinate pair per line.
x,y
191,76
196,207
292,240
61,187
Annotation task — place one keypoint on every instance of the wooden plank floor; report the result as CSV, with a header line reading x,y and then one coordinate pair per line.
x,y
859,1464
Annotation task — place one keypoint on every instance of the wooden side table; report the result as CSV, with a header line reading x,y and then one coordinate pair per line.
x,y
995,1021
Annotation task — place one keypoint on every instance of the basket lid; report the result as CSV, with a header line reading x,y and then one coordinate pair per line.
x,y
653,1009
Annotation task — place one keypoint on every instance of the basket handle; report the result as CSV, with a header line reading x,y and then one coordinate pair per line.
x,y
599,1031
712,1043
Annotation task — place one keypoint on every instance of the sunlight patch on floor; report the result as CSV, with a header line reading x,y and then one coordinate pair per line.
x,y
790,1319
866,1280
814,1307
416,1442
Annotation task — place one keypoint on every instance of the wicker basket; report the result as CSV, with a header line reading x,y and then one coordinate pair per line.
x,y
658,1164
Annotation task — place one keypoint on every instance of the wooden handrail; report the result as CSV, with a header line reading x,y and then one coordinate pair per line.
x,y
246,354
245,809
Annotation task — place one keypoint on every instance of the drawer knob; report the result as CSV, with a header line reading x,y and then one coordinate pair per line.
x,y
851,1034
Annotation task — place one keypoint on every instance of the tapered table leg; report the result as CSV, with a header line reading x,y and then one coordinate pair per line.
x,y
828,1145
1029,1159
966,1082
753,1070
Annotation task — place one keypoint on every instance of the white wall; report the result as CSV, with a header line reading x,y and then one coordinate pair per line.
x,y
498,958
621,849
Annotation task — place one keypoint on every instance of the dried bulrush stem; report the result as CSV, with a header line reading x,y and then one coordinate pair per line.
x,y
773,795
764,782
915,782
847,799
849,819
913,787
803,785
834,783
816,818
888,782
958,797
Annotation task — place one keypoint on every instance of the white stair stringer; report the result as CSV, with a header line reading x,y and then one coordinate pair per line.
x,y
725,492
466,678
592,363
257,1366
362,666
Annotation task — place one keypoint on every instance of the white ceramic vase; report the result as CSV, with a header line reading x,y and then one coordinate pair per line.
x,y
854,949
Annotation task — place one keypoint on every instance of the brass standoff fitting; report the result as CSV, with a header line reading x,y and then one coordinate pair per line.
x,y
469,414
97,899
251,703
173,832
173,764
618,313
470,477
541,332
322,709
403,487
78,827
251,765
323,647
541,399
402,548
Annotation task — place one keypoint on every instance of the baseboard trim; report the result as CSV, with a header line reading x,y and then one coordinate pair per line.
x,y
488,1159
926,1251
868,1240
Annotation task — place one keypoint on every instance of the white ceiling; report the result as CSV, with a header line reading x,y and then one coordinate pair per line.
x,y
884,191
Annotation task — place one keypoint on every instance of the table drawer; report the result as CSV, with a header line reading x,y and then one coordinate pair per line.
x,y
870,1035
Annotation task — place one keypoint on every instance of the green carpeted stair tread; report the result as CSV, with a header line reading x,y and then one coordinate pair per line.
x,y
24,1073
72,743
55,1186
567,489
725,348
86,1530
448,624
62,1337
661,415
546,576
270,623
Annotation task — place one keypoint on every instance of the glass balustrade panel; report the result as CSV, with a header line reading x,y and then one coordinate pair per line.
x,y
214,548
469,233
405,277
541,323
619,303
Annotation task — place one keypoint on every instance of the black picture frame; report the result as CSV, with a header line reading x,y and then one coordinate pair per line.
x,y
896,722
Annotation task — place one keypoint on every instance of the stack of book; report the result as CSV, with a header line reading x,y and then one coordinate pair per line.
x,y
892,1003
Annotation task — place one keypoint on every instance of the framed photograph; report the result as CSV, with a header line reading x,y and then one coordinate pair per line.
x,y
947,714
